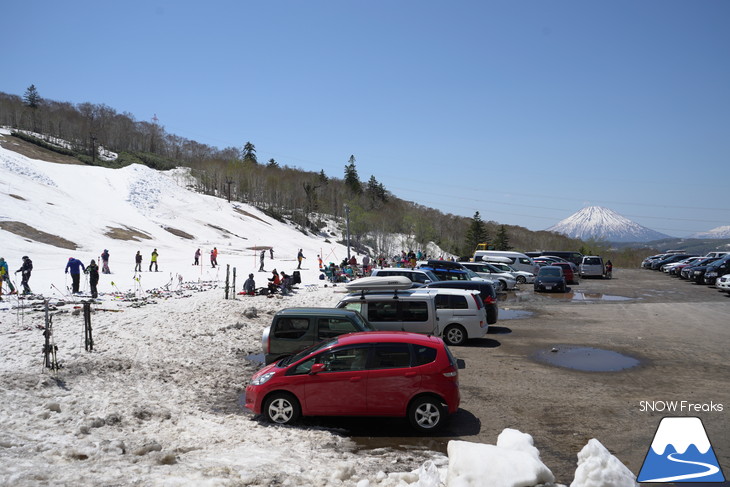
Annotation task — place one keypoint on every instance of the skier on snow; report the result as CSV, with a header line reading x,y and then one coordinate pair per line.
x,y
25,270
153,260
105,262
4,277
93,271
76,266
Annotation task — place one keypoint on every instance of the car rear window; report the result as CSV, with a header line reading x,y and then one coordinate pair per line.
x,y
414,311
291,327
391,356
331,327
451,302
382,311
593,261
424,355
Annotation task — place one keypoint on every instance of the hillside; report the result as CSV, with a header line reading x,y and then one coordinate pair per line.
x,y
55,211
277,189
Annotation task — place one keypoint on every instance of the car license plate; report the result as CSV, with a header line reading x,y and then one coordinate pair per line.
x,y
549,287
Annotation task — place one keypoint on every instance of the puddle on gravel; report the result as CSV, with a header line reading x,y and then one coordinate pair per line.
x,y
514,314
587,359
584,296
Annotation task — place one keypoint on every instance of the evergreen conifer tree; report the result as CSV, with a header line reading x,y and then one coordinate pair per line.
x,y
352,180
501,241
475,234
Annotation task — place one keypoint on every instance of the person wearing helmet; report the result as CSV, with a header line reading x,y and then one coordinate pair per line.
x,y
249,287
25,270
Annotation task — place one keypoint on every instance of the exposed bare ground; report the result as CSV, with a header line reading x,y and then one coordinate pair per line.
x,y
179,233
243,212
31,234
126,233
17,197
33,151
226,233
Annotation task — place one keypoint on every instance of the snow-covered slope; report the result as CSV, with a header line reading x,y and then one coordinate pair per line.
x,y
719,232
604,224
83,210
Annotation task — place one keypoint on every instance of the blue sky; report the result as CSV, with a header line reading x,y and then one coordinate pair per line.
x,y
525,111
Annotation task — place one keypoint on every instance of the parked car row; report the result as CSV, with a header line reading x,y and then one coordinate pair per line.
x,y
384,349
710,269
381,352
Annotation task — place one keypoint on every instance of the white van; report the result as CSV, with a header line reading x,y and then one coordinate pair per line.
x,y
416,275
456,315
518,260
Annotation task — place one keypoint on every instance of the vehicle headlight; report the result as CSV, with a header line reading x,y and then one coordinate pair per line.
x,y
710,274
262,379
697,273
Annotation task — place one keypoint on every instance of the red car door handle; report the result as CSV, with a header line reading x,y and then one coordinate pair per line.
x,y
355,379
410,374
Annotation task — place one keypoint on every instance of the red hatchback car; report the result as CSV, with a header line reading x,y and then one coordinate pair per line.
x,y
395,374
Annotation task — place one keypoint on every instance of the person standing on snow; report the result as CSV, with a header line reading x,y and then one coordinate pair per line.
x,y
4,276
25,273
214,257
93,271
261,260
153,260
76,266
271,253
300,257
197,257
105,262
138,262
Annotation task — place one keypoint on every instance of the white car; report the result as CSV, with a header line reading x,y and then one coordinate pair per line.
x,y
521,277
503,280
723,283
668,267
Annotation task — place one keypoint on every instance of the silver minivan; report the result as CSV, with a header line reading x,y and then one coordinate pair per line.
x,y
454,314
592,266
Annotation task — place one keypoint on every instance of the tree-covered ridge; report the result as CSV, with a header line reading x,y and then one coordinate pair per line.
x,y
280,190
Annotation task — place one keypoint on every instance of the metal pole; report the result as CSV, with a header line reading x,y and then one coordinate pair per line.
x,y
347,224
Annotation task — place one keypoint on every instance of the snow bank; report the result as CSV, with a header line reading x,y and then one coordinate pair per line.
x,y
512,462
598,468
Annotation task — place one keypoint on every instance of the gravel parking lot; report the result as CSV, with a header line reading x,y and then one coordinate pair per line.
x,y
678,331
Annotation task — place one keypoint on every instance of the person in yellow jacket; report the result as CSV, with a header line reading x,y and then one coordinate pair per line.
x,y
153,260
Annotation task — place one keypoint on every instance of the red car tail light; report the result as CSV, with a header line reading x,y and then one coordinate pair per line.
x,y
489,300
450,371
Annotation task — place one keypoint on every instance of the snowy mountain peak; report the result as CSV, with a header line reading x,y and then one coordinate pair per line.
x,y
719,232
604,224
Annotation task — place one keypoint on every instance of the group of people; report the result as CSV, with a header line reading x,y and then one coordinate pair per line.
x,y
279,282
213,257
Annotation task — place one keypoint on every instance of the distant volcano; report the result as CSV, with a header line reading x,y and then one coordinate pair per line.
x,y
603,224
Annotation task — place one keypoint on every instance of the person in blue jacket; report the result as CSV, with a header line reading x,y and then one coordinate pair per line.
x,y
75,266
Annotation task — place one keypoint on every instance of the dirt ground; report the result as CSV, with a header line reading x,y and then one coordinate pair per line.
x,y
34,151
679,332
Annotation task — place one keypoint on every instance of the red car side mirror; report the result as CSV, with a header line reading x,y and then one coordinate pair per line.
x,y
317,368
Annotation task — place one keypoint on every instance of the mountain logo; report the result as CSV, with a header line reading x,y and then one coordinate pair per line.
x,y
681,452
